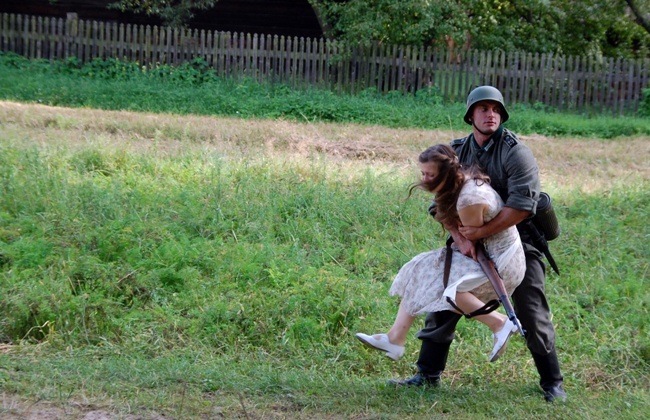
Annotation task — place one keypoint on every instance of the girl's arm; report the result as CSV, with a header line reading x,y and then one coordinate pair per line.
x,y
507,217
469,216
473,215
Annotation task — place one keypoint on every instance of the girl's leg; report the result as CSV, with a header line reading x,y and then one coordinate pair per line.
x,y
501,327
401,326
469,303
393,342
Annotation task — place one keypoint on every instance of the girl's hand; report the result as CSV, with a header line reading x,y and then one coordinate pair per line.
x,y
466,247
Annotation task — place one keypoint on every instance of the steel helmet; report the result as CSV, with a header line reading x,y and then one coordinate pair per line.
x,y
485,93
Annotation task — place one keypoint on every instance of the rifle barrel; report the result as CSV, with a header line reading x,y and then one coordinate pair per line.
x,y
492,274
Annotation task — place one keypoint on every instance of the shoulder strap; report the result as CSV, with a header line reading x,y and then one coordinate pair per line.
x,y
485,309
448,255
509,138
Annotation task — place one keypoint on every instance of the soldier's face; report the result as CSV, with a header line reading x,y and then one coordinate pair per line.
x,y
486,116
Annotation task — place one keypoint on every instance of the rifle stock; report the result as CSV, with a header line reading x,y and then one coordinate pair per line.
x,y
492,274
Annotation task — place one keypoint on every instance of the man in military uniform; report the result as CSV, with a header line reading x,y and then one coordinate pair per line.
x,y
515,176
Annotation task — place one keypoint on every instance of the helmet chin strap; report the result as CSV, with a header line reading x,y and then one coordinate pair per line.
x,y
479,130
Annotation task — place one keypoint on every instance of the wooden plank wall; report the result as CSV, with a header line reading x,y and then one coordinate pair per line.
x,y
577,84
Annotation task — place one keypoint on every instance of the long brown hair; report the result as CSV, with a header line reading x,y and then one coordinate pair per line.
x,y
451,177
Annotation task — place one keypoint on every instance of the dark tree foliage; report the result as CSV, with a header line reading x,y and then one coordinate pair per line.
x,y
615,28
640,10
573,27
173,12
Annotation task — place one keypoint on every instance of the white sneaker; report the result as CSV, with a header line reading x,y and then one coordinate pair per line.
x,y
383,344
501,339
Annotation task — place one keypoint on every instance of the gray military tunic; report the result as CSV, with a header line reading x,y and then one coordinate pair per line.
x,y
509,163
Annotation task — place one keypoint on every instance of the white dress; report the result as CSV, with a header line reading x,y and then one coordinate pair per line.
x,y
420,281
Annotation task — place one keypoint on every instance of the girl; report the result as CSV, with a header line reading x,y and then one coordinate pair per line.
x,y
463,198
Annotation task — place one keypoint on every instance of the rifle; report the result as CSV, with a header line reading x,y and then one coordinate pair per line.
x,y
492,274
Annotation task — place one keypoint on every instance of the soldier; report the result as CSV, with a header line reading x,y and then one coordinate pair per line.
x,y
514,174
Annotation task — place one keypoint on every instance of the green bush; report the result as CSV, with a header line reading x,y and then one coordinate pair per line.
x,y
644,105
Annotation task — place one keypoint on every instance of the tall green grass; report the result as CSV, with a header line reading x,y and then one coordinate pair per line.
x,y
111,234
161,280
193,88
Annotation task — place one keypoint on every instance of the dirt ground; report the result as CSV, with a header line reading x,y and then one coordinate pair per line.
x,y
14,408
574,163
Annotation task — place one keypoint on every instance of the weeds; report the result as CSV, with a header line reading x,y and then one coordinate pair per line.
x,y
210,268
194,88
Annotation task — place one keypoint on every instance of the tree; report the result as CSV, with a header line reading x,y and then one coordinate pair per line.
x,y
413,22
525,25
603,27
615,28
571,27
519,24
173,12
642,17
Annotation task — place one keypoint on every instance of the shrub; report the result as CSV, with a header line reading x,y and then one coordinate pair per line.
x,y
644,105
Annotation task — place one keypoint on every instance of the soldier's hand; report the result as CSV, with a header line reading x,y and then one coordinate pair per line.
x,y
470,232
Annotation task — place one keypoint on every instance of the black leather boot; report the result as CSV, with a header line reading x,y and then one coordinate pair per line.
x,y
551,379
431,363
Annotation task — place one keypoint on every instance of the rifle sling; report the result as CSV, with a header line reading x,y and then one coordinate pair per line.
x,y
485,309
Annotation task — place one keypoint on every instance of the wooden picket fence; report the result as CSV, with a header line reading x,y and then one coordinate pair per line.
x,y
577,84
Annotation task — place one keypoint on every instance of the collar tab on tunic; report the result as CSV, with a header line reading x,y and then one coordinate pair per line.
x,y
488,145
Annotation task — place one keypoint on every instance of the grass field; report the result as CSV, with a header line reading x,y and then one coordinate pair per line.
x,y
169,266
206,248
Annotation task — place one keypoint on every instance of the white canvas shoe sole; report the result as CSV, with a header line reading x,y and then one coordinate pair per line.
x,y
382,344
